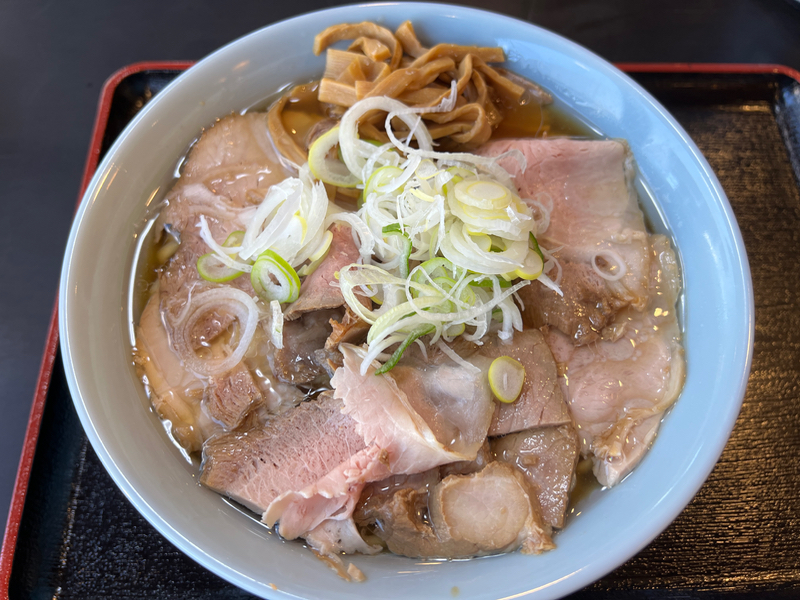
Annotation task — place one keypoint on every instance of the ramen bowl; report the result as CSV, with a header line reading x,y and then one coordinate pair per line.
x,y
680,196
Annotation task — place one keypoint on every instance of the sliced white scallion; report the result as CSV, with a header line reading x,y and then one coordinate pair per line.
x,y
227,299
506,378
395,232
459,213
618,266
224,254
274,279
318,255
210,266
480,193
531,268
439,296
381,180
327,168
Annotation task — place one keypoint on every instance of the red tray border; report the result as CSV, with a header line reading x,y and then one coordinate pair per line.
x,y
51,343
92,159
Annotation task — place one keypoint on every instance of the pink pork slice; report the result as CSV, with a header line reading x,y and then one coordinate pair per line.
x,y
588,187
618,389
391,417
292,451
316,291
541,402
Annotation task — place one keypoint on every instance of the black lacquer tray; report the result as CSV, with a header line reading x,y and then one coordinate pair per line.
x,y
72,534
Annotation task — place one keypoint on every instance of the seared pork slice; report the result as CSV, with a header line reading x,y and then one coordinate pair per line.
x,y
297,362
422,415
583,310
541,402
337,536
378,493
594,212
181,213
411,423
316,291
179,277
277,396
229,168
219,180
401,522
452,401
235,159
292,451
230,396
187,201
619,388
548,457
198,408
334,496
185,205
491,511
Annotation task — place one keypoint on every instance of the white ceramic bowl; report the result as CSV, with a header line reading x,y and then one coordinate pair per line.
x,y
612,526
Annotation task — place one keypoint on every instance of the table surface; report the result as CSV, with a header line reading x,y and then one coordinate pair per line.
x,y
55,56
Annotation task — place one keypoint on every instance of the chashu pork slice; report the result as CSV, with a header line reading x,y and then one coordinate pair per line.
x,y
547,457
583,309
297,362
494,510
377,493
227,171
411,420
320,290
218,181
176,392
231,396
196,407
235,159
619,388
332,497
463,515
291,452
541,402
587,187
422,414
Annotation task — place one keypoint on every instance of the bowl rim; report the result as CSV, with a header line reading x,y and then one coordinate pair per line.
x,y
696,473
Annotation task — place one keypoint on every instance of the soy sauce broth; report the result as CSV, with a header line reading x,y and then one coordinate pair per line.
x,y
528,119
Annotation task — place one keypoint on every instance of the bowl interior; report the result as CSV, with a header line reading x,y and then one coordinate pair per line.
x,y
609,526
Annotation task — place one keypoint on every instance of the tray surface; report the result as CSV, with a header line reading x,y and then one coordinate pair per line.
x,y
78,536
